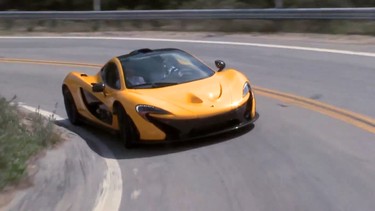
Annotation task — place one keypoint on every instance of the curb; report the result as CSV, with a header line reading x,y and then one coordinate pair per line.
x,y
70,176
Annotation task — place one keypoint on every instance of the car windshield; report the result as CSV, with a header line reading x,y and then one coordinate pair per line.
x,y
161,68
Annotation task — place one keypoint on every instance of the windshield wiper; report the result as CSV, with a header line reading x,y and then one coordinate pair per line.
x,y
161,84
154,85
141,85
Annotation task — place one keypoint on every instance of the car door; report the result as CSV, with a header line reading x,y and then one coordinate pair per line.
x,y
102,106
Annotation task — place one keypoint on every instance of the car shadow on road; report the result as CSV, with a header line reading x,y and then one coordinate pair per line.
x,y
95,137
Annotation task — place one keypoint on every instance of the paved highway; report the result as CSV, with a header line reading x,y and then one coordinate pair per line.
x,y
295,158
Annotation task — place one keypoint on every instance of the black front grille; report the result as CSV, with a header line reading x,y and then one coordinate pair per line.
x,y
188,128
211,128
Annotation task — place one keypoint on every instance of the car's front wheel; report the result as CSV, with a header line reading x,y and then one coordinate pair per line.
x,y
71,108
127,131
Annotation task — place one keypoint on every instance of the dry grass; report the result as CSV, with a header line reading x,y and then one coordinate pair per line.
x,y
262,26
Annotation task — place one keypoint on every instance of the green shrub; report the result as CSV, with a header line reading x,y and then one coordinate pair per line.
x,y
21,136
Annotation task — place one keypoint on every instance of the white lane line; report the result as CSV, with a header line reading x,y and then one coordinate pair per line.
x,y
44,113
109,197
290,47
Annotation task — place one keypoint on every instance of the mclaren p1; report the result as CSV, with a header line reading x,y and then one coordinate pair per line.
x,y
160,95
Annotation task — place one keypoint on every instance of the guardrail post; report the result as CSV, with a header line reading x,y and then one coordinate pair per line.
x,y
97,6
279,3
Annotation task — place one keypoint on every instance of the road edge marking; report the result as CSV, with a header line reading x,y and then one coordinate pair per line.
x,y
48,62
110,195
251,44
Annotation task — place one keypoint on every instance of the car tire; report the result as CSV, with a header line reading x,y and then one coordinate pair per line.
x,y
71,108
127,131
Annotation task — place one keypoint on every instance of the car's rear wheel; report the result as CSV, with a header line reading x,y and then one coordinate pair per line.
x,y
127,131
71,108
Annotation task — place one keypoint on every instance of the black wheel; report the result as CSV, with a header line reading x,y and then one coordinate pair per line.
x,y
127,131
70,107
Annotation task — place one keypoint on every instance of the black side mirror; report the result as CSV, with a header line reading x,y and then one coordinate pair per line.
x,y
98,87
220,64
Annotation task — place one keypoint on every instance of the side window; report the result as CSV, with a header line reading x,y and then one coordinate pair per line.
x,y
111,76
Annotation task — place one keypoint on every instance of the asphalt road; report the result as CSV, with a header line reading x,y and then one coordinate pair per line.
x,y
293,159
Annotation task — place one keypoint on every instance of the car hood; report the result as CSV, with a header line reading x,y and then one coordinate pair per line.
x,y
206,97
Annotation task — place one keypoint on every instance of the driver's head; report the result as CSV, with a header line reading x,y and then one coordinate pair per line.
x,y
130,70
171,61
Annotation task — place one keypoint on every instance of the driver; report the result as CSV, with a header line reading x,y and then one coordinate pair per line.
x,y
132,77
171,65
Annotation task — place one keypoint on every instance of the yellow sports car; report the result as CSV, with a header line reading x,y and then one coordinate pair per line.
x,y
160,95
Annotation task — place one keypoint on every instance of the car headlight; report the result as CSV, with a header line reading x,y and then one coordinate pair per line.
x,y
145,110
246,89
